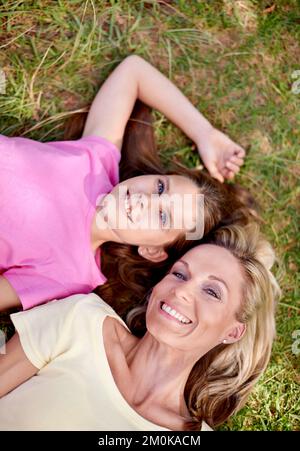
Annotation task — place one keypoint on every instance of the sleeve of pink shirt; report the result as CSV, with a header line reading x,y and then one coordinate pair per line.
x,y
110,160
35,288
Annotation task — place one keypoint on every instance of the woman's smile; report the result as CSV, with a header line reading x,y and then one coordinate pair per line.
x,y
169,312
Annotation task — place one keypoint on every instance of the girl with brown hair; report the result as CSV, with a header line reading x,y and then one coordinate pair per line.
x,y
57,197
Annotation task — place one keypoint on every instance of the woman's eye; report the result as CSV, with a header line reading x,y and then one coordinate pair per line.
x,y
179,275
160,187
212,292
163,218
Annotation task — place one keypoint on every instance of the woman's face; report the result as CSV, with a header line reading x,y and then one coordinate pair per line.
x,y
193,307
152,209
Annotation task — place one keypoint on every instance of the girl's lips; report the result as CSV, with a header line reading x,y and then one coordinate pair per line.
x,y
128,207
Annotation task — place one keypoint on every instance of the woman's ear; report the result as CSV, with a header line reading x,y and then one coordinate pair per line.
x,y
235,334
153,253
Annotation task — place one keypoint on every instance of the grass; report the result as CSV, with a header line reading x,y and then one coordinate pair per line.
x,y
234,60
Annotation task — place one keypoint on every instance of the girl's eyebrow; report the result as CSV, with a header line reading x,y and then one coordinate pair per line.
x,y
168,191
168,183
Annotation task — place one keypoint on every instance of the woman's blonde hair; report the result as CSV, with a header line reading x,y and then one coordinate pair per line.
x,y
220,382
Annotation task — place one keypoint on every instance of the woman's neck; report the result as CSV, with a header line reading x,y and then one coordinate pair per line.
x,y
158,375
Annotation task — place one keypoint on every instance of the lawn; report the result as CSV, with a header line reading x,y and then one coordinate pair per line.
x,y
237,62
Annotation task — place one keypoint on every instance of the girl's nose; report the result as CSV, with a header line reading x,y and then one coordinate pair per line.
x,y
138,200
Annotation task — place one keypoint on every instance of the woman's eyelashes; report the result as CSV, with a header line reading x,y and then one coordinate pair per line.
x,y
213,292
179,275
210,291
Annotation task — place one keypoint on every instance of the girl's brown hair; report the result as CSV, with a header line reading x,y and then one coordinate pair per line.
x,y
129,276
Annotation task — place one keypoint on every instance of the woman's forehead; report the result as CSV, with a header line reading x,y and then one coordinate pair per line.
x,y
213,258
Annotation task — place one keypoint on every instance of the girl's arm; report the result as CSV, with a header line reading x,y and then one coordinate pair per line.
x,y
133,79
8,296
15,368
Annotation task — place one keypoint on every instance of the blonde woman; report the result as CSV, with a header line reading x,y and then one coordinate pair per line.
x,y
75,365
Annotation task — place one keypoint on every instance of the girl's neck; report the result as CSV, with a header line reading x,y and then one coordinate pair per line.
x,y
100,233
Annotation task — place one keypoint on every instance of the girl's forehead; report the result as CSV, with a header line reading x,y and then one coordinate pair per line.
x,y
175,179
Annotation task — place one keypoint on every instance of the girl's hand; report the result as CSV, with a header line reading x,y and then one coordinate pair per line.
x,y
221,156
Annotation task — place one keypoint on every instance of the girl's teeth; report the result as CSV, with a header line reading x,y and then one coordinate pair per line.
x,y
175,314
127,207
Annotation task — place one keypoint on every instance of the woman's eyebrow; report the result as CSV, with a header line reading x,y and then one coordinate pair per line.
x,y
212,277
185,264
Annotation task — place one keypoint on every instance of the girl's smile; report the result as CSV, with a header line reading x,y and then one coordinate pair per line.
x,y
155,206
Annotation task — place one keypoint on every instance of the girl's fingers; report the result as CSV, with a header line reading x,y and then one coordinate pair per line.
x,y
217,175
214,172
235,160
239,152
227,174
232,167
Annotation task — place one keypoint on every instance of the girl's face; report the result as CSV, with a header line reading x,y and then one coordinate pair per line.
x,y
152,210
193,308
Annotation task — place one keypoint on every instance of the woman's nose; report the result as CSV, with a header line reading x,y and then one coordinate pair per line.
x,y
184,292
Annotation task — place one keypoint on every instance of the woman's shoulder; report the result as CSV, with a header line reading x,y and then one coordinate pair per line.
x,y
92,303
81,306
116,331
93,306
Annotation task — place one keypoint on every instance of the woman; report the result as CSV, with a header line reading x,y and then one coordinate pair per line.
x,y
208,338
56,197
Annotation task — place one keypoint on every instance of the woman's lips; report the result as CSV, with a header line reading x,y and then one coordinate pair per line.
x,y
173,314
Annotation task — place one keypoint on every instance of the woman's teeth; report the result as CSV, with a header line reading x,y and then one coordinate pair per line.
x,y
166,308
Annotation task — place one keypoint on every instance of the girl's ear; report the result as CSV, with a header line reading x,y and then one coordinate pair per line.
x,y
153,253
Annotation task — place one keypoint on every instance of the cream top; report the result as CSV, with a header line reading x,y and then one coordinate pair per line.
x,y
74,388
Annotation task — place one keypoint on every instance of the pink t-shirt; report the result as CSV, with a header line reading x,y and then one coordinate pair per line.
x,y
48,194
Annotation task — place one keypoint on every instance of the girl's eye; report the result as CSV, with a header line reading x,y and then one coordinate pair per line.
x,y
212,292
179,275
163,218
160,187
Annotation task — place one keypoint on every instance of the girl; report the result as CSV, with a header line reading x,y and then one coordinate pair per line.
x,y
51,230
208,328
